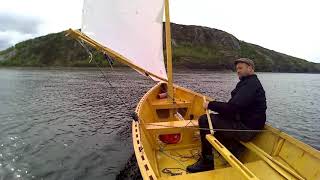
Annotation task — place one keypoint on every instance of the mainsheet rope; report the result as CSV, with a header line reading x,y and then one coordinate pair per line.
x,y
162,148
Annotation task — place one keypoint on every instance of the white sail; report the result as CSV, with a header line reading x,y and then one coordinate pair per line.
x,y
132,28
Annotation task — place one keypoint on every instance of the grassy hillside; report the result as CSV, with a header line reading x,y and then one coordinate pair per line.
x,y
193,47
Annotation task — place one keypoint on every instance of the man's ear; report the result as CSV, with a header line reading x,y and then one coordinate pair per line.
x,y
251,69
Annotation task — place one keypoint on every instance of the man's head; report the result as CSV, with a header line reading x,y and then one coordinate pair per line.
x,y
244,67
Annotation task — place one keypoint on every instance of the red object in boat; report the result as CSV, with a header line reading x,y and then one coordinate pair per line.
x,y
170,138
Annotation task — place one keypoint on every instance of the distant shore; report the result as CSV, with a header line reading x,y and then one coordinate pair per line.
x,y
123,68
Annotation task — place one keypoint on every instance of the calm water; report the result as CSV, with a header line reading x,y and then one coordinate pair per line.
x,y
69,124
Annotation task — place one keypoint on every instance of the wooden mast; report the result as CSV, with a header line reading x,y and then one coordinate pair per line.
x,y
169,52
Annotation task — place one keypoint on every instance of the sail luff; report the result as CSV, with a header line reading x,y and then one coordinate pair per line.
x,y
169,51
80,36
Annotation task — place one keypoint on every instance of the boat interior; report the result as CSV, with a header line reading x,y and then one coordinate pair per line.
x,y
166,140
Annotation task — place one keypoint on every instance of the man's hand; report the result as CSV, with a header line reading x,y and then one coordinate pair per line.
x,y
205,104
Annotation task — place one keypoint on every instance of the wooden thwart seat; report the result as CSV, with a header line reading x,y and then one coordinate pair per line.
x,y
166,104
171,124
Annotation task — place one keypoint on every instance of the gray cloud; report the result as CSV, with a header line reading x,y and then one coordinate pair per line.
x,y
15,28
21,24
4,43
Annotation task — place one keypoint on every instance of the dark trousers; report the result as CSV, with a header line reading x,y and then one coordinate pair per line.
x,y
230,139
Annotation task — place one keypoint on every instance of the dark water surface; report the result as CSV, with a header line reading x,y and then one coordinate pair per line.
x,y
70,124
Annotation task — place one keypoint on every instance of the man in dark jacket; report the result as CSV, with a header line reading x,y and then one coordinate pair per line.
x,y
246,110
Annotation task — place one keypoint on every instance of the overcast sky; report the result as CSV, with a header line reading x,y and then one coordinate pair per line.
x,y
287,26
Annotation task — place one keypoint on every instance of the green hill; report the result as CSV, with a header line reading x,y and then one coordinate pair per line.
x,y
193,47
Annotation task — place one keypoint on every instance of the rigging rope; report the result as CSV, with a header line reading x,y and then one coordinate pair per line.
x,y
162,147
105,77
101,71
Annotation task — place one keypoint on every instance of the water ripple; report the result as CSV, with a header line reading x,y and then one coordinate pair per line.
x,y
69,124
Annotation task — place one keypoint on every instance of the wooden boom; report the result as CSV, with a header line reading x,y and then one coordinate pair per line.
x,y
80,36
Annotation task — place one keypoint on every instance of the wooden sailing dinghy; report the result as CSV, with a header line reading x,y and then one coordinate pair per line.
x,y
165,132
